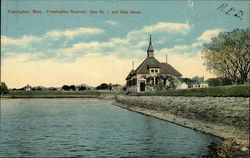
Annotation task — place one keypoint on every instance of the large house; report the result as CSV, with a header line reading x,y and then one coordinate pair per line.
x,y
151,74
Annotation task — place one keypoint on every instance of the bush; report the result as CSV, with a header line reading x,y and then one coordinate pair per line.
x,y
227,149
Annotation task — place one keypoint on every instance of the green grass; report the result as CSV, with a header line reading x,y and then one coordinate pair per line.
x,y
55,94
223,91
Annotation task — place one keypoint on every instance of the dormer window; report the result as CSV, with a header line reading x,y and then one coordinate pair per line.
x,y
154,70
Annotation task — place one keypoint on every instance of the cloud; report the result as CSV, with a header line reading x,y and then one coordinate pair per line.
x,y
68,34
182,49
208,34
71,33
197,44
23,41
167,27
56,43
110,22
175,49
160,27
94,62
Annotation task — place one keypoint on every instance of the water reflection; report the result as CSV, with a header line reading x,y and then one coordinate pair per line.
x,y
91,128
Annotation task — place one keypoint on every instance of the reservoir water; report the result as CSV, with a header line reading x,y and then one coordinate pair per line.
x,y
91,128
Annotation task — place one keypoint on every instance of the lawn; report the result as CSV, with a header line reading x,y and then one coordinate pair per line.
x,y
222,91
56,94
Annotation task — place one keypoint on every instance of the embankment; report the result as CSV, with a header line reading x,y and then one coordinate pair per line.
x,y
226,117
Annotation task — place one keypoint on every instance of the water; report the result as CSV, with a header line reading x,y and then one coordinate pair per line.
x,y
91,128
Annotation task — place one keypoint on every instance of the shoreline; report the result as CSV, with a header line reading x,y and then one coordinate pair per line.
x,y
216,129
157,115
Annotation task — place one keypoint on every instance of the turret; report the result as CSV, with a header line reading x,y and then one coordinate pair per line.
x,y
150,51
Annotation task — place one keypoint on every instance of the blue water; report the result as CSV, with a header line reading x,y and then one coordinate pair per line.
x,y
91,128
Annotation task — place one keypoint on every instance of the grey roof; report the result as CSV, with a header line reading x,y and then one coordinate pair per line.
x,y
132,73
151,62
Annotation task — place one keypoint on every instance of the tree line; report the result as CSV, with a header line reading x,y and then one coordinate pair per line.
x,y
228,56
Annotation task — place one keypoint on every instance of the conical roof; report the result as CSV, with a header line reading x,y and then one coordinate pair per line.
x,y
150,46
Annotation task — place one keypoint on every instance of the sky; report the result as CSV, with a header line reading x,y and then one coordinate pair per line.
x,y
54,49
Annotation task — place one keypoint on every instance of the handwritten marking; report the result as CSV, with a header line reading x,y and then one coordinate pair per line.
x,y
231,10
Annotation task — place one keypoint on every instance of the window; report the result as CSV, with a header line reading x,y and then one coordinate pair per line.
x,y
154,70
134,81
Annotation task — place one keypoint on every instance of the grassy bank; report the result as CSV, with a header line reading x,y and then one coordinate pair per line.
x,y
58,94
226,117
223,91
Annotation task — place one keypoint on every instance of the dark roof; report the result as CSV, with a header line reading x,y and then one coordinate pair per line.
x,y
132,73
151,62
150,46
171,69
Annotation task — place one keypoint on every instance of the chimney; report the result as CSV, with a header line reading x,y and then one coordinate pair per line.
x,y
166,58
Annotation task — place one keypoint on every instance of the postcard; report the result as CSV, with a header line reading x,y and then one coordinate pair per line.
x,y
123,78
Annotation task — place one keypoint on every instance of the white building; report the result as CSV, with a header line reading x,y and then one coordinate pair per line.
x,y
182,86
27,88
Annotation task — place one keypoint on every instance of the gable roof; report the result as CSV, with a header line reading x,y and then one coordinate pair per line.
x,y
132,73
171,69
151,62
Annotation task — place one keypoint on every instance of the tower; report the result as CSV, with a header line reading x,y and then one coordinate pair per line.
x,y
150,51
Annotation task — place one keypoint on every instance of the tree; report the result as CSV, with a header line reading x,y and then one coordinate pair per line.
x,y
186,80
52,89
214,81
3,88
65,87
21,89
103,86
228,55
82,88
72,87
218,81
110,86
